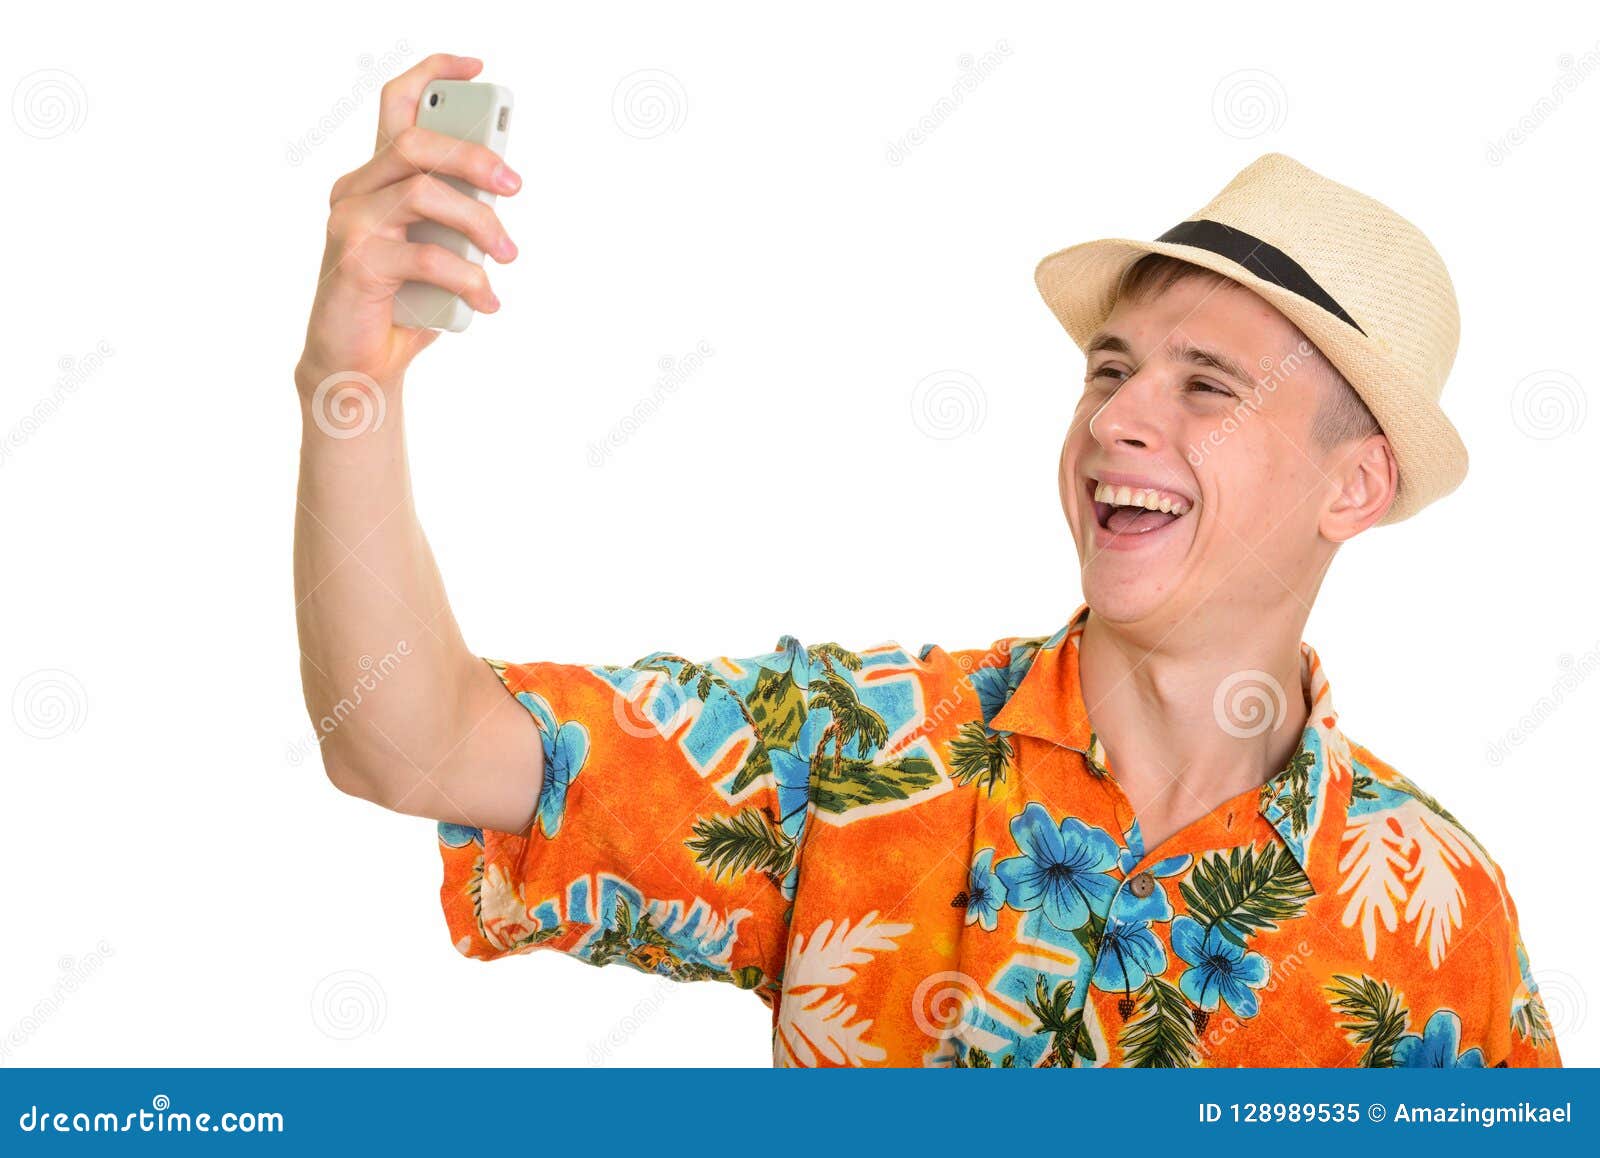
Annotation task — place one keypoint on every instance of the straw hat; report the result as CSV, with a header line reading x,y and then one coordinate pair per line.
x,y
1362,283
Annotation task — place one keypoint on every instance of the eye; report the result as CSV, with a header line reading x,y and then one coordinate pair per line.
x,y
1202,387
1103,371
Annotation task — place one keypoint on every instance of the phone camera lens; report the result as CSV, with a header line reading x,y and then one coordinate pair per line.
x,y
433,100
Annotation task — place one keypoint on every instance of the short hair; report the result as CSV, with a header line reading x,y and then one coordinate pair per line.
x,y
1341,414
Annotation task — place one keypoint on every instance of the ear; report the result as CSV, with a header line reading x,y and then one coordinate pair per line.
x,y
1367,479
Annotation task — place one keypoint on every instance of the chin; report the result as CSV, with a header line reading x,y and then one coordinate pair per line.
x,y
1123,599
1137,585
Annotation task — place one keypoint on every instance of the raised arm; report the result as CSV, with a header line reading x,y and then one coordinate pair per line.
x,y
407,715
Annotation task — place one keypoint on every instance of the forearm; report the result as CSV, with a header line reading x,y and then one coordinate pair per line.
x,y
383,663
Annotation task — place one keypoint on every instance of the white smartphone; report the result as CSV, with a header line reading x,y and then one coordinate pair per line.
x,y
469,111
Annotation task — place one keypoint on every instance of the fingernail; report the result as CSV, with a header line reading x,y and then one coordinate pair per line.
x,y
506,179
506,250
494,302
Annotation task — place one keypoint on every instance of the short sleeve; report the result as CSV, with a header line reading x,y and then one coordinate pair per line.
x,y
1533,1039
669,824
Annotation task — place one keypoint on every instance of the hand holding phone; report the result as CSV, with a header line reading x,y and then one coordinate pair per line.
x,y
479,114
417,176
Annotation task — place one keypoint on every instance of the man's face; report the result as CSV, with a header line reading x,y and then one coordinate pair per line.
x,y
1203,398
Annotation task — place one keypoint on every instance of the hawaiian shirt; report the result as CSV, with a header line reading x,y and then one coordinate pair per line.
x,y
925,860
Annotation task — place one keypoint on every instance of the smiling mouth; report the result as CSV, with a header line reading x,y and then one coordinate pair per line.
x,y
1125,510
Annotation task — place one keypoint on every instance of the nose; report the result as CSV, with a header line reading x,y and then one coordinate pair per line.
x,y
1126,419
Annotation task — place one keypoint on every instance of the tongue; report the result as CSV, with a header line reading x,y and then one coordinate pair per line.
x,y
1136,520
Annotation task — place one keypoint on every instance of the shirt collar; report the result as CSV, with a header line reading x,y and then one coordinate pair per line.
x,y
1304,803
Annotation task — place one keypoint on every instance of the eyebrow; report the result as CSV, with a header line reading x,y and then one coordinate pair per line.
x,y
1183,352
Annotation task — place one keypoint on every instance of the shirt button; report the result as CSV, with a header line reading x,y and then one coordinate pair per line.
x,y
1141,884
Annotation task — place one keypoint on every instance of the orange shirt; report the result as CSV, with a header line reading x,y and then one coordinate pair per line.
x,y
924,861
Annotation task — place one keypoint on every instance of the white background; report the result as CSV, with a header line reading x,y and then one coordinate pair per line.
x,y
182,886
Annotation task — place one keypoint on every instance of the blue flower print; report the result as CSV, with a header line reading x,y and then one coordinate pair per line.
x,y
1129,954
1219,969
792,774
795,661
566,747
986,895
1062,870
459,835
1156,906
1438,1046
994,689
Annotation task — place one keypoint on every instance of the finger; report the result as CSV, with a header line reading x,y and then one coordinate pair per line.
x,y
424,198
417,150
397,104
395,262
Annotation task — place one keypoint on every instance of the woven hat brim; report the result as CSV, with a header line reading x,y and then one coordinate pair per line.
x,y
1079,285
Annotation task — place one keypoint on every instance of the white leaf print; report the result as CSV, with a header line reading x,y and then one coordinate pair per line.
x,y
1406,853
1437,897
501,910
815,1018
827,960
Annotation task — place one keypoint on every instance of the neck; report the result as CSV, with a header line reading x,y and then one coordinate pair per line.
x,y
1176,749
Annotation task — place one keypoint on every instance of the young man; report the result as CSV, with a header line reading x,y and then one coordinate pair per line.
x,y
1142,840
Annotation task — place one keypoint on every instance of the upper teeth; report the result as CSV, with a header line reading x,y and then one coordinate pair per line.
x,y
1129,497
